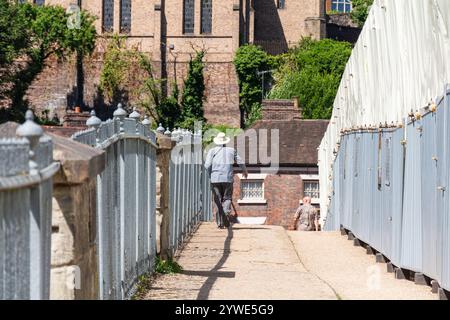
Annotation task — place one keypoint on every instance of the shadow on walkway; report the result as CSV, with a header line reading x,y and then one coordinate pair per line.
x,y
215,273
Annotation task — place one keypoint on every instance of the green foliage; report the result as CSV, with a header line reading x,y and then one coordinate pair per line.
x,y
193,93
127,76
15,37
167,266
333,12
312,73
249,60
194,87
144,284
34,33
119,70
360,11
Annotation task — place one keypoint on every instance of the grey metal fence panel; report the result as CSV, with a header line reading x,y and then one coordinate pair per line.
x,y
206,203
190,196
396,213
26,171
429,193
412,209
386,188
442,197
390,190
374,225
126,202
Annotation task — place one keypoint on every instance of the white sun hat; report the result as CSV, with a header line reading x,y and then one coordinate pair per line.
x,y
221,139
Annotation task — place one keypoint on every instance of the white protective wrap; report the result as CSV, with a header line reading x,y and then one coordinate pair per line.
x,y
400,63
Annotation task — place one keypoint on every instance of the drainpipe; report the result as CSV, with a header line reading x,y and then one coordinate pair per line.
x,y
80,74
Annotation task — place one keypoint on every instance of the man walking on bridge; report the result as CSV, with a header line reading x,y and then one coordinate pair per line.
x,y
219,163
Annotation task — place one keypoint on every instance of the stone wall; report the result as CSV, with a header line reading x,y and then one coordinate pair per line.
x,y
74,268
162,196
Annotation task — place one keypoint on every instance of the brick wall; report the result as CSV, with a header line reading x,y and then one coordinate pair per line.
x,y
280,110
153,25
282,192
279,29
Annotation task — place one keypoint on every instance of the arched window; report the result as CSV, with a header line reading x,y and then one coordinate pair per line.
x,y
341,5
108,16
188,16
206,16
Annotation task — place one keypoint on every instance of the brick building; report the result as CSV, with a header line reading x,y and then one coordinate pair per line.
x,y
273,196
339,23
170,31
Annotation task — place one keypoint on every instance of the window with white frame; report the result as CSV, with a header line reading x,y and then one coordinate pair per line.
x,y
341,5
252,189
311,189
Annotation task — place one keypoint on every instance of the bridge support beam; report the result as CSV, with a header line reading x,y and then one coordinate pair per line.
x,y
401,274
390,267
434,286
420,279
443,294
380,258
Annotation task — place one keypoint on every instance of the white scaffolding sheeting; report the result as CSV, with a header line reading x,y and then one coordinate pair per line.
x,y
400,63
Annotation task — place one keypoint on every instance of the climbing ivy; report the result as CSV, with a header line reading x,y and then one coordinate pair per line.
x,y
193,93
127,76
249,60
360,11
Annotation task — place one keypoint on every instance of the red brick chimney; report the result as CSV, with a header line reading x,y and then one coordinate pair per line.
x,y
281,110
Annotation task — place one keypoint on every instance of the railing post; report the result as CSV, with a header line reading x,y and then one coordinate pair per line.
x,y
164,185
119,115
94,122
32,132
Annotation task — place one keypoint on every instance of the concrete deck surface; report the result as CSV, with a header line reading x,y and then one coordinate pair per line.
x,y
266,262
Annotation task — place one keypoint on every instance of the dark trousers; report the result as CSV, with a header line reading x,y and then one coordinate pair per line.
x,y
222,193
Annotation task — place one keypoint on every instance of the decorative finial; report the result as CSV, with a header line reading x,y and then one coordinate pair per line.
x,y
160,129
134,114
120,112
146,121
32,132
93,121
29,128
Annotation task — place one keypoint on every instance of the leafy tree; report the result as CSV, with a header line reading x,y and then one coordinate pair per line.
x,y
249,60
14,33
193,93
360,11
312,73
33,34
